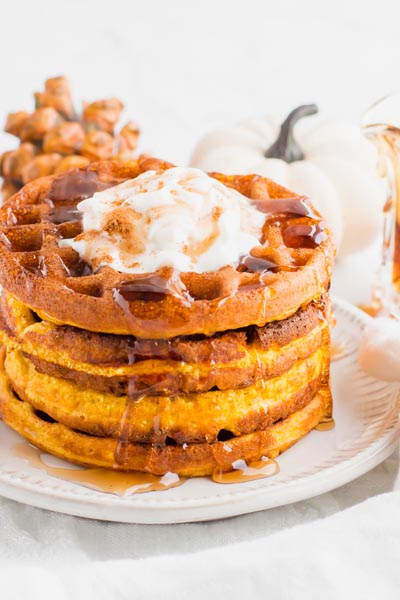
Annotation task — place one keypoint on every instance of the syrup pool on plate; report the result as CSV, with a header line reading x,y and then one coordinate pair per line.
x,y
243,471
133,482
104,480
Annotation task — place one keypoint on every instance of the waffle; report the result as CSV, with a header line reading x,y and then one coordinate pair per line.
x,y
182,372
244,386
287,270
105,362
192,460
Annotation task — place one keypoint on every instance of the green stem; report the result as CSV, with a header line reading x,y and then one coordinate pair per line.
x,y
285,147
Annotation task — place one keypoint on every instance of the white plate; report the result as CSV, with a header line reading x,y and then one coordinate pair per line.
x,y
366,432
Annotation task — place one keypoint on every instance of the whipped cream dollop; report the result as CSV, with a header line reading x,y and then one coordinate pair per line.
x,y
180,218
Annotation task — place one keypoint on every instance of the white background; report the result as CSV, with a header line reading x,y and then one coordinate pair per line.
x,y
182,67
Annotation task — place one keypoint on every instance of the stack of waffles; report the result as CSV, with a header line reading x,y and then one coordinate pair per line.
x,y
166,371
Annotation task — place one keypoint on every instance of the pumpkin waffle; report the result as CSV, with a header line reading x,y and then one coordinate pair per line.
x,y
169,371
189,459
105,362
290,267
265,375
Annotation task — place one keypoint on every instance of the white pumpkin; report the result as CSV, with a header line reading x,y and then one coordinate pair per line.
x,y
332,164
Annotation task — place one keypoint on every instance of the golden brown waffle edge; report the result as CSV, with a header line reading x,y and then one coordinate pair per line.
x,y
52,280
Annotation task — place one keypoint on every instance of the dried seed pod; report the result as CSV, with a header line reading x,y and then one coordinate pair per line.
x,y
8,189
67,138
98,145
2,158
128,138
42,165
54,128
102,114
15,122
57,94
74,161
39,123
14,162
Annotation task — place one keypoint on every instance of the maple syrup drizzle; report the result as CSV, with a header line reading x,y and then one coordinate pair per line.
x,y
64,213
372,309
77,185
79,269
129,483
11,217
122,445
153,287
243,471
326,424
296,206
5,241
135,395
166,387
103,480
255,264
304,235
339,350
70,188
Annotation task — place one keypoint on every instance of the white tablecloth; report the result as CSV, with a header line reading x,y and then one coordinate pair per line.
x,y
183,67
347,547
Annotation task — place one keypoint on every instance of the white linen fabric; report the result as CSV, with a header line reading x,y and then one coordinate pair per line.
x,y
347,546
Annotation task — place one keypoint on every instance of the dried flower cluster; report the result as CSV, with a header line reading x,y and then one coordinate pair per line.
x,y
54,138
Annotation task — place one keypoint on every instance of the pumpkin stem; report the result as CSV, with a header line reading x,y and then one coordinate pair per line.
x,y
285,147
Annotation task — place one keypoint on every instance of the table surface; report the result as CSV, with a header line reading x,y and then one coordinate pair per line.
x,y
183,68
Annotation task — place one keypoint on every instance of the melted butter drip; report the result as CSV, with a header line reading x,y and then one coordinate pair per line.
x,y
243,471
103,480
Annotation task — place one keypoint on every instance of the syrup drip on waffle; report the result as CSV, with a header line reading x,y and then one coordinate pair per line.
x,y
326,424
299,206
256,265
70,189
165,389
304,235
77,185
152,287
